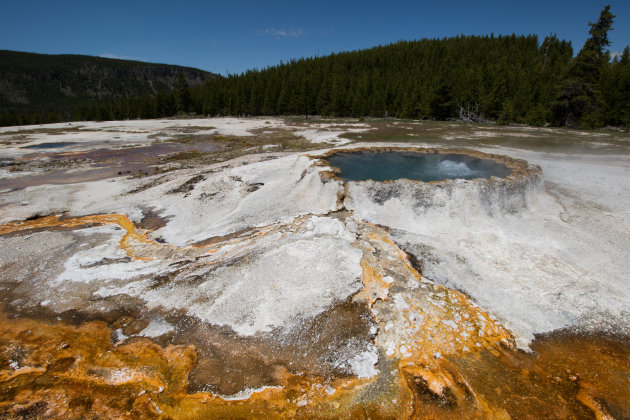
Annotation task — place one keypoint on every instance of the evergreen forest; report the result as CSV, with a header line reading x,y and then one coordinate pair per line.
x,y
502,79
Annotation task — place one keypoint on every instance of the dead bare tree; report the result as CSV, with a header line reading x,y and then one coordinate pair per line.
x,y
470,113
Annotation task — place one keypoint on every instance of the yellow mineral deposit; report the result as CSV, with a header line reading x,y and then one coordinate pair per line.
x,y
131,236
374,287
451,359
427,326
77,371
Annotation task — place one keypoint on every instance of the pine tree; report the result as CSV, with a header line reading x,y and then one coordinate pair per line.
x,y
580,101
615,89
184,100
442,105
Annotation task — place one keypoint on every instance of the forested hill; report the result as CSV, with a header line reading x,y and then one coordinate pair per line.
x,y
503,79
497,78
48,88
473,78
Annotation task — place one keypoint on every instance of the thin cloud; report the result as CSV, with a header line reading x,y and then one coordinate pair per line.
x,y
282,33
327,32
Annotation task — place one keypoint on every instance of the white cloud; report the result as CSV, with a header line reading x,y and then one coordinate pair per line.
x,y
282,33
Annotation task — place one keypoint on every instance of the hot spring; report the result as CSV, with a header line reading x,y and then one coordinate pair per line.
x,y
426,167
396,181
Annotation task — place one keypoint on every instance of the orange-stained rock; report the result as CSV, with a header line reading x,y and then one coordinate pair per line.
x,y
441,356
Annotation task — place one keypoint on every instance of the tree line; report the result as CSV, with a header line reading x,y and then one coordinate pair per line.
x,y
505,79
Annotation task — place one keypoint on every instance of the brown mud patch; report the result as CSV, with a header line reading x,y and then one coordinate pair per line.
x,y
228,363
567,376
230,236
94,165
462,135
131,154
63,176
151,220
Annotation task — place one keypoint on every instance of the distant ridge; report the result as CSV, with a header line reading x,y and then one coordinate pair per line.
x,y
47,87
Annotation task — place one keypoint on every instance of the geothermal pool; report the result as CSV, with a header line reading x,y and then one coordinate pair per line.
x,y
391,165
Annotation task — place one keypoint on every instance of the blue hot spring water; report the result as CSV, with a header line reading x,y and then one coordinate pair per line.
x,y
388,166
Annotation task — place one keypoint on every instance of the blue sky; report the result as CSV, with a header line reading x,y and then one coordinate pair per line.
x,y
233,36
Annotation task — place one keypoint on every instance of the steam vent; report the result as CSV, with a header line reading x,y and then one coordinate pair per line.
x,y
264,268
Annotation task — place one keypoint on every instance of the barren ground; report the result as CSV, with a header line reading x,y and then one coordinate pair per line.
x,y
216,267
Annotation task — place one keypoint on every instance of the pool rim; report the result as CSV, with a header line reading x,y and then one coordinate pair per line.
x,y
519,168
